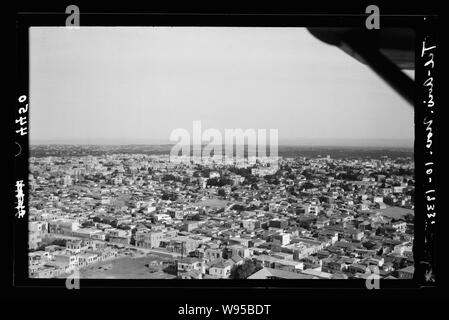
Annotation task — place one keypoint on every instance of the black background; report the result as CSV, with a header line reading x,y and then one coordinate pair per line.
x,y
150,13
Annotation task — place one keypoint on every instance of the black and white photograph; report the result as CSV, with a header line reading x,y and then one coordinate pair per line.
x,y
226,151
118,192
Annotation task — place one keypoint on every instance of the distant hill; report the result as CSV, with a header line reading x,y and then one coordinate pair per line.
x,y
284,151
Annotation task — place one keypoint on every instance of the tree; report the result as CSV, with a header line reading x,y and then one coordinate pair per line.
x,y
170,196
308,185
59,242
244,270
169,177
238,207
292,191
123,227
271,179
87,224
369,245
254,186
219,182
196,217
221,192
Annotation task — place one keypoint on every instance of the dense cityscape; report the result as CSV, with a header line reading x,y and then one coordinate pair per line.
x,y
112,214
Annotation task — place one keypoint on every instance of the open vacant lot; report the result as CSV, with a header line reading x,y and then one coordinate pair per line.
x,y
396,212
150,267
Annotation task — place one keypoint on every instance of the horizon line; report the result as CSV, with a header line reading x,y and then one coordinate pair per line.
x,y
404,146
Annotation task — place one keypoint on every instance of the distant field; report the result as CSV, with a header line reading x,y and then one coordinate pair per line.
x,y
128,268
213,203
396,212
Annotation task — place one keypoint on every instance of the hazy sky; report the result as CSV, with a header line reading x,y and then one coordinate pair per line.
x,y
135,85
